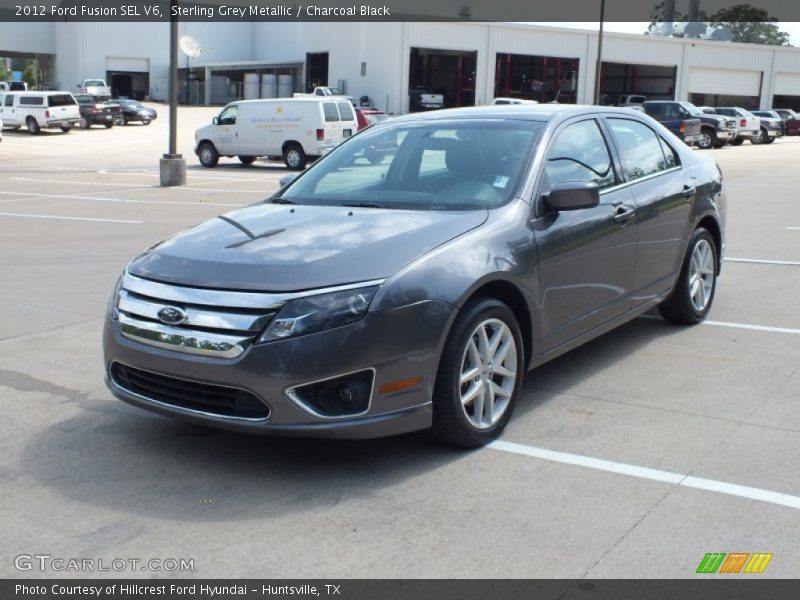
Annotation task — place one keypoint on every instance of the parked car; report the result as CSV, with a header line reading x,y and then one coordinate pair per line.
x,y
675,117
772,127
96,113
133,110
749,124
39,110
629,100
791,120
95,87
715,130
423,98
17,86
298,129
1,130
3,86
369,116
327,92
497,101
362,302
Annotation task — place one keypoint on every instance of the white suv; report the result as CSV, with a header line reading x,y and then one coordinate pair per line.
x,y
39,110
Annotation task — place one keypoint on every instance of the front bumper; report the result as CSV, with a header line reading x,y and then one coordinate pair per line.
x,y
723,134
398,344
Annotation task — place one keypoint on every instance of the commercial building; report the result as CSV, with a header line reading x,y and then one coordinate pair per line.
x,y
469,63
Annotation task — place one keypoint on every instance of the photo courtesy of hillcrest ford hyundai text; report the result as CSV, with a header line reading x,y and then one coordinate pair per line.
x,y
371,297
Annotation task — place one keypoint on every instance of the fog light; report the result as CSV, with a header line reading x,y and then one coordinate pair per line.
x,y
344,396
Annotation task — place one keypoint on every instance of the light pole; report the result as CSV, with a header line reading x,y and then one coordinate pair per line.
x,y
599,65
173,165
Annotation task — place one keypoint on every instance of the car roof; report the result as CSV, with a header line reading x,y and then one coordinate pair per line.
x,y
530,112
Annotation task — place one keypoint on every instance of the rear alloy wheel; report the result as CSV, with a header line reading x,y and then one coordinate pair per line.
x,y
208,155
708,139
479,375
145,121
693,294
84,123
247,160
33,126
294,158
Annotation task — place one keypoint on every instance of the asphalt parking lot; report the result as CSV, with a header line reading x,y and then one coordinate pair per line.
x,y
632,456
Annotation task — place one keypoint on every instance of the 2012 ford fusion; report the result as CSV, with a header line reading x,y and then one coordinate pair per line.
x,y
375,297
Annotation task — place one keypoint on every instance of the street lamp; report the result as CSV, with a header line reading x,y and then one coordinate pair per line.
x,y
173,165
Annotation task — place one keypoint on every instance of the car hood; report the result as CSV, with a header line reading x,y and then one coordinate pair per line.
x,y
281,248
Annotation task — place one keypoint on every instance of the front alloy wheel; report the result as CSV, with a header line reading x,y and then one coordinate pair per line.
x,y
480,373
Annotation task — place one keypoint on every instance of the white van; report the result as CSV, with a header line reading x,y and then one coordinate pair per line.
x,y
39,110
298,129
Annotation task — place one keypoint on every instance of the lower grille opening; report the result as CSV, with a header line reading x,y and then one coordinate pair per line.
x,y
215,399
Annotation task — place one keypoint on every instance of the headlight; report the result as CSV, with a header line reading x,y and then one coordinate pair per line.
x,y
113,301
317,313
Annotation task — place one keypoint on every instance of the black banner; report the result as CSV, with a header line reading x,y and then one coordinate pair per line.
x,y
732,588
385,10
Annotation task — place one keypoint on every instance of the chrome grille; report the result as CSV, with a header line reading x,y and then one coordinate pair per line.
x,y
217,323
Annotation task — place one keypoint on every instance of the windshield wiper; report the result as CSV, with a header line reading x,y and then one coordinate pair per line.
x,y
365,205
280,200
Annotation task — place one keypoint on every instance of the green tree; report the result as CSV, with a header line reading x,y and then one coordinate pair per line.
x,y
5,74
747,24
750,25
30,76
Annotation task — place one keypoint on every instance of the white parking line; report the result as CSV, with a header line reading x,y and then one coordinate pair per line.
x,y
192,175
135,186
759,261
3,214
119,200
794,228
736,325
676,479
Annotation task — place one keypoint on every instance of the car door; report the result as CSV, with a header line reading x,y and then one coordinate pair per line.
x,y
662,194
225,138
587,257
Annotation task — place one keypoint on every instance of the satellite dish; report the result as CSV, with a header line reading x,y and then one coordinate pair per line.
x,y
190,46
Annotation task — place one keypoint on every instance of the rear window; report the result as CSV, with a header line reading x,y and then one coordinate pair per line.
x,y
94,83
346,111
31,101
61,100
331,113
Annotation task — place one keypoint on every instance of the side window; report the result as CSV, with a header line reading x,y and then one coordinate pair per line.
x,y
31,101
9,101
672,111
331,114
346,111
228,116
579,153
670,155
639,148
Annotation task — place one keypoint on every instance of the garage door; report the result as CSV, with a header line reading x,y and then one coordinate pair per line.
x,y
128,65
724,81
787,84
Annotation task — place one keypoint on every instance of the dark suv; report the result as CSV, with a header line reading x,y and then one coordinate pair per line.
x,y
690,124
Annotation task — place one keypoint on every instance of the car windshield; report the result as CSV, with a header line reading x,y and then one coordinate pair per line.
x,y
444,165
85,99
691,108
94,83
130,103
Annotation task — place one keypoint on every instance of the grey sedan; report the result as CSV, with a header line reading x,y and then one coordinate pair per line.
x,y
370,298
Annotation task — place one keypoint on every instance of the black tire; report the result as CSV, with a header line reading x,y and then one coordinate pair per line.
x,y
145,122
33,126
451,422
708,139
109,124
247,160
760,138
208,155
679,306
737,142
66,128
84,123
294,158
770,140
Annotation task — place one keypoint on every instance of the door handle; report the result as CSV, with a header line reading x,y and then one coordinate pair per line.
x,y
623,213
689,191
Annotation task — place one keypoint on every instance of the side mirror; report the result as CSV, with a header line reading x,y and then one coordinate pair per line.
x,y
287,179
573,195
215,121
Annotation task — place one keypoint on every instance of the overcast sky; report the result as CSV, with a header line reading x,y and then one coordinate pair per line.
x,y
792,29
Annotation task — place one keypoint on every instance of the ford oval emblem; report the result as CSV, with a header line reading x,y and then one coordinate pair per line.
x,y
172,315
